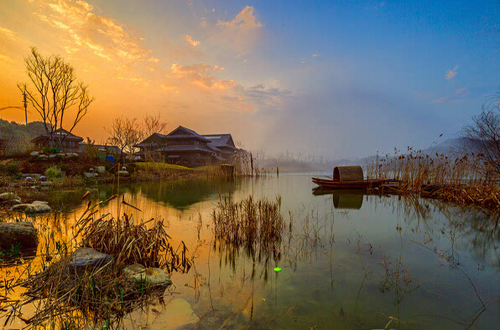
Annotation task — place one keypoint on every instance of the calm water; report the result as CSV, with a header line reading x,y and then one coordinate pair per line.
x,y
351,261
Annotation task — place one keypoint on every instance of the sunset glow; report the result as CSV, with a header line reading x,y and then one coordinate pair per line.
x,y
339,80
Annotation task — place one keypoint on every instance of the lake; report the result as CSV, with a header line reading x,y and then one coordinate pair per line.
x,y
348,260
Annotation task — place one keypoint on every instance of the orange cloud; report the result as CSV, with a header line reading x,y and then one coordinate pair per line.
x,y
241,33
8,33
198,74
191,41
5,58
86,30
245,19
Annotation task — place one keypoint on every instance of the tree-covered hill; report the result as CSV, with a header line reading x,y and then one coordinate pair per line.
x,y
17,136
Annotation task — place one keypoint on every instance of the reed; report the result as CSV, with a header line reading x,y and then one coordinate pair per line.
x,y
97,298
464,180
255,225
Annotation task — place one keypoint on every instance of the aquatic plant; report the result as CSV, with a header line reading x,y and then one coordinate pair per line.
x,y
256,225
92,298
465,179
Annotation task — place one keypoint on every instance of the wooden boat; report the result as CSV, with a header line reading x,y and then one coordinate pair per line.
x,y
348,177
365,184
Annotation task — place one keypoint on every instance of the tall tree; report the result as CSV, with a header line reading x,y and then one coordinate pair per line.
x,y
57,94
125,133
154,124
484,132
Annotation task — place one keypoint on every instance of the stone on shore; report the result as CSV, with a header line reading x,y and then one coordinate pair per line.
x,y
7,196
152,277
34,208
22,234
88,259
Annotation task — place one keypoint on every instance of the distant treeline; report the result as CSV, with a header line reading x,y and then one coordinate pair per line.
x,y
17,137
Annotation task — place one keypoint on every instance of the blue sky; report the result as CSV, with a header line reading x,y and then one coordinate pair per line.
x,y
332,78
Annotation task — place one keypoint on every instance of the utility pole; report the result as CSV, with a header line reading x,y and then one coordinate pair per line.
x,y
25,107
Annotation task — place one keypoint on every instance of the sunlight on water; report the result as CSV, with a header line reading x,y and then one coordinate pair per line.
x,y
350,261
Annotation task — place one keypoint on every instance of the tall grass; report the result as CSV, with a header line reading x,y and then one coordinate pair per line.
x,y
97,297
464,179
255,225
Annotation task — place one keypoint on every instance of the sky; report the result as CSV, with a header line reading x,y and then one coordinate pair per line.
x,y
339,79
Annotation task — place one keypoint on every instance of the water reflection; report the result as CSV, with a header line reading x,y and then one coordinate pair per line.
x,y
343,199
348,260
182,194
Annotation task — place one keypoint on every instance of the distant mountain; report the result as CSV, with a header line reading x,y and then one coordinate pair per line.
x,y
293,163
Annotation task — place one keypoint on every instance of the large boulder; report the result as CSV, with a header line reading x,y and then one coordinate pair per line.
x,y
88,259
151,277
22,234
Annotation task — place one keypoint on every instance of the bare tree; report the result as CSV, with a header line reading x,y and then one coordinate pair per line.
x,y
56,92
125,133
154,124
484,133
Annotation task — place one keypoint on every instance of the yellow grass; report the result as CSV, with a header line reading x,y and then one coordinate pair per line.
x,y
465,180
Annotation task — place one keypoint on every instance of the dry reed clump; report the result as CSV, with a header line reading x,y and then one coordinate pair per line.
x,y
131,243
467,179
98,297
256,225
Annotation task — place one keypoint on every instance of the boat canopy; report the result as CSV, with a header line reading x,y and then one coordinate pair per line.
x,y
348,174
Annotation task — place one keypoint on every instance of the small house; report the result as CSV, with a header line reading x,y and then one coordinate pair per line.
x,y
60,138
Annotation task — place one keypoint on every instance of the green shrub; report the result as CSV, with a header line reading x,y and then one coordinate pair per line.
x,y
54,172
11,168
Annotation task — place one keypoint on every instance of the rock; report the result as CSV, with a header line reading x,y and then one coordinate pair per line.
x,y
8,196
11,202
155,277
123,173
90,174
19,207
53,157
40,202
34,153
35,207
100,169
22,234
42,157
88,258
38,208
33,176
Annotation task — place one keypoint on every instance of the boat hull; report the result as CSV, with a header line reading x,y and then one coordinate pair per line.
x,y
365,184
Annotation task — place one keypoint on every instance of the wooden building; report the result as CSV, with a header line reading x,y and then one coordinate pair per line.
x,y
184,146
60,138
